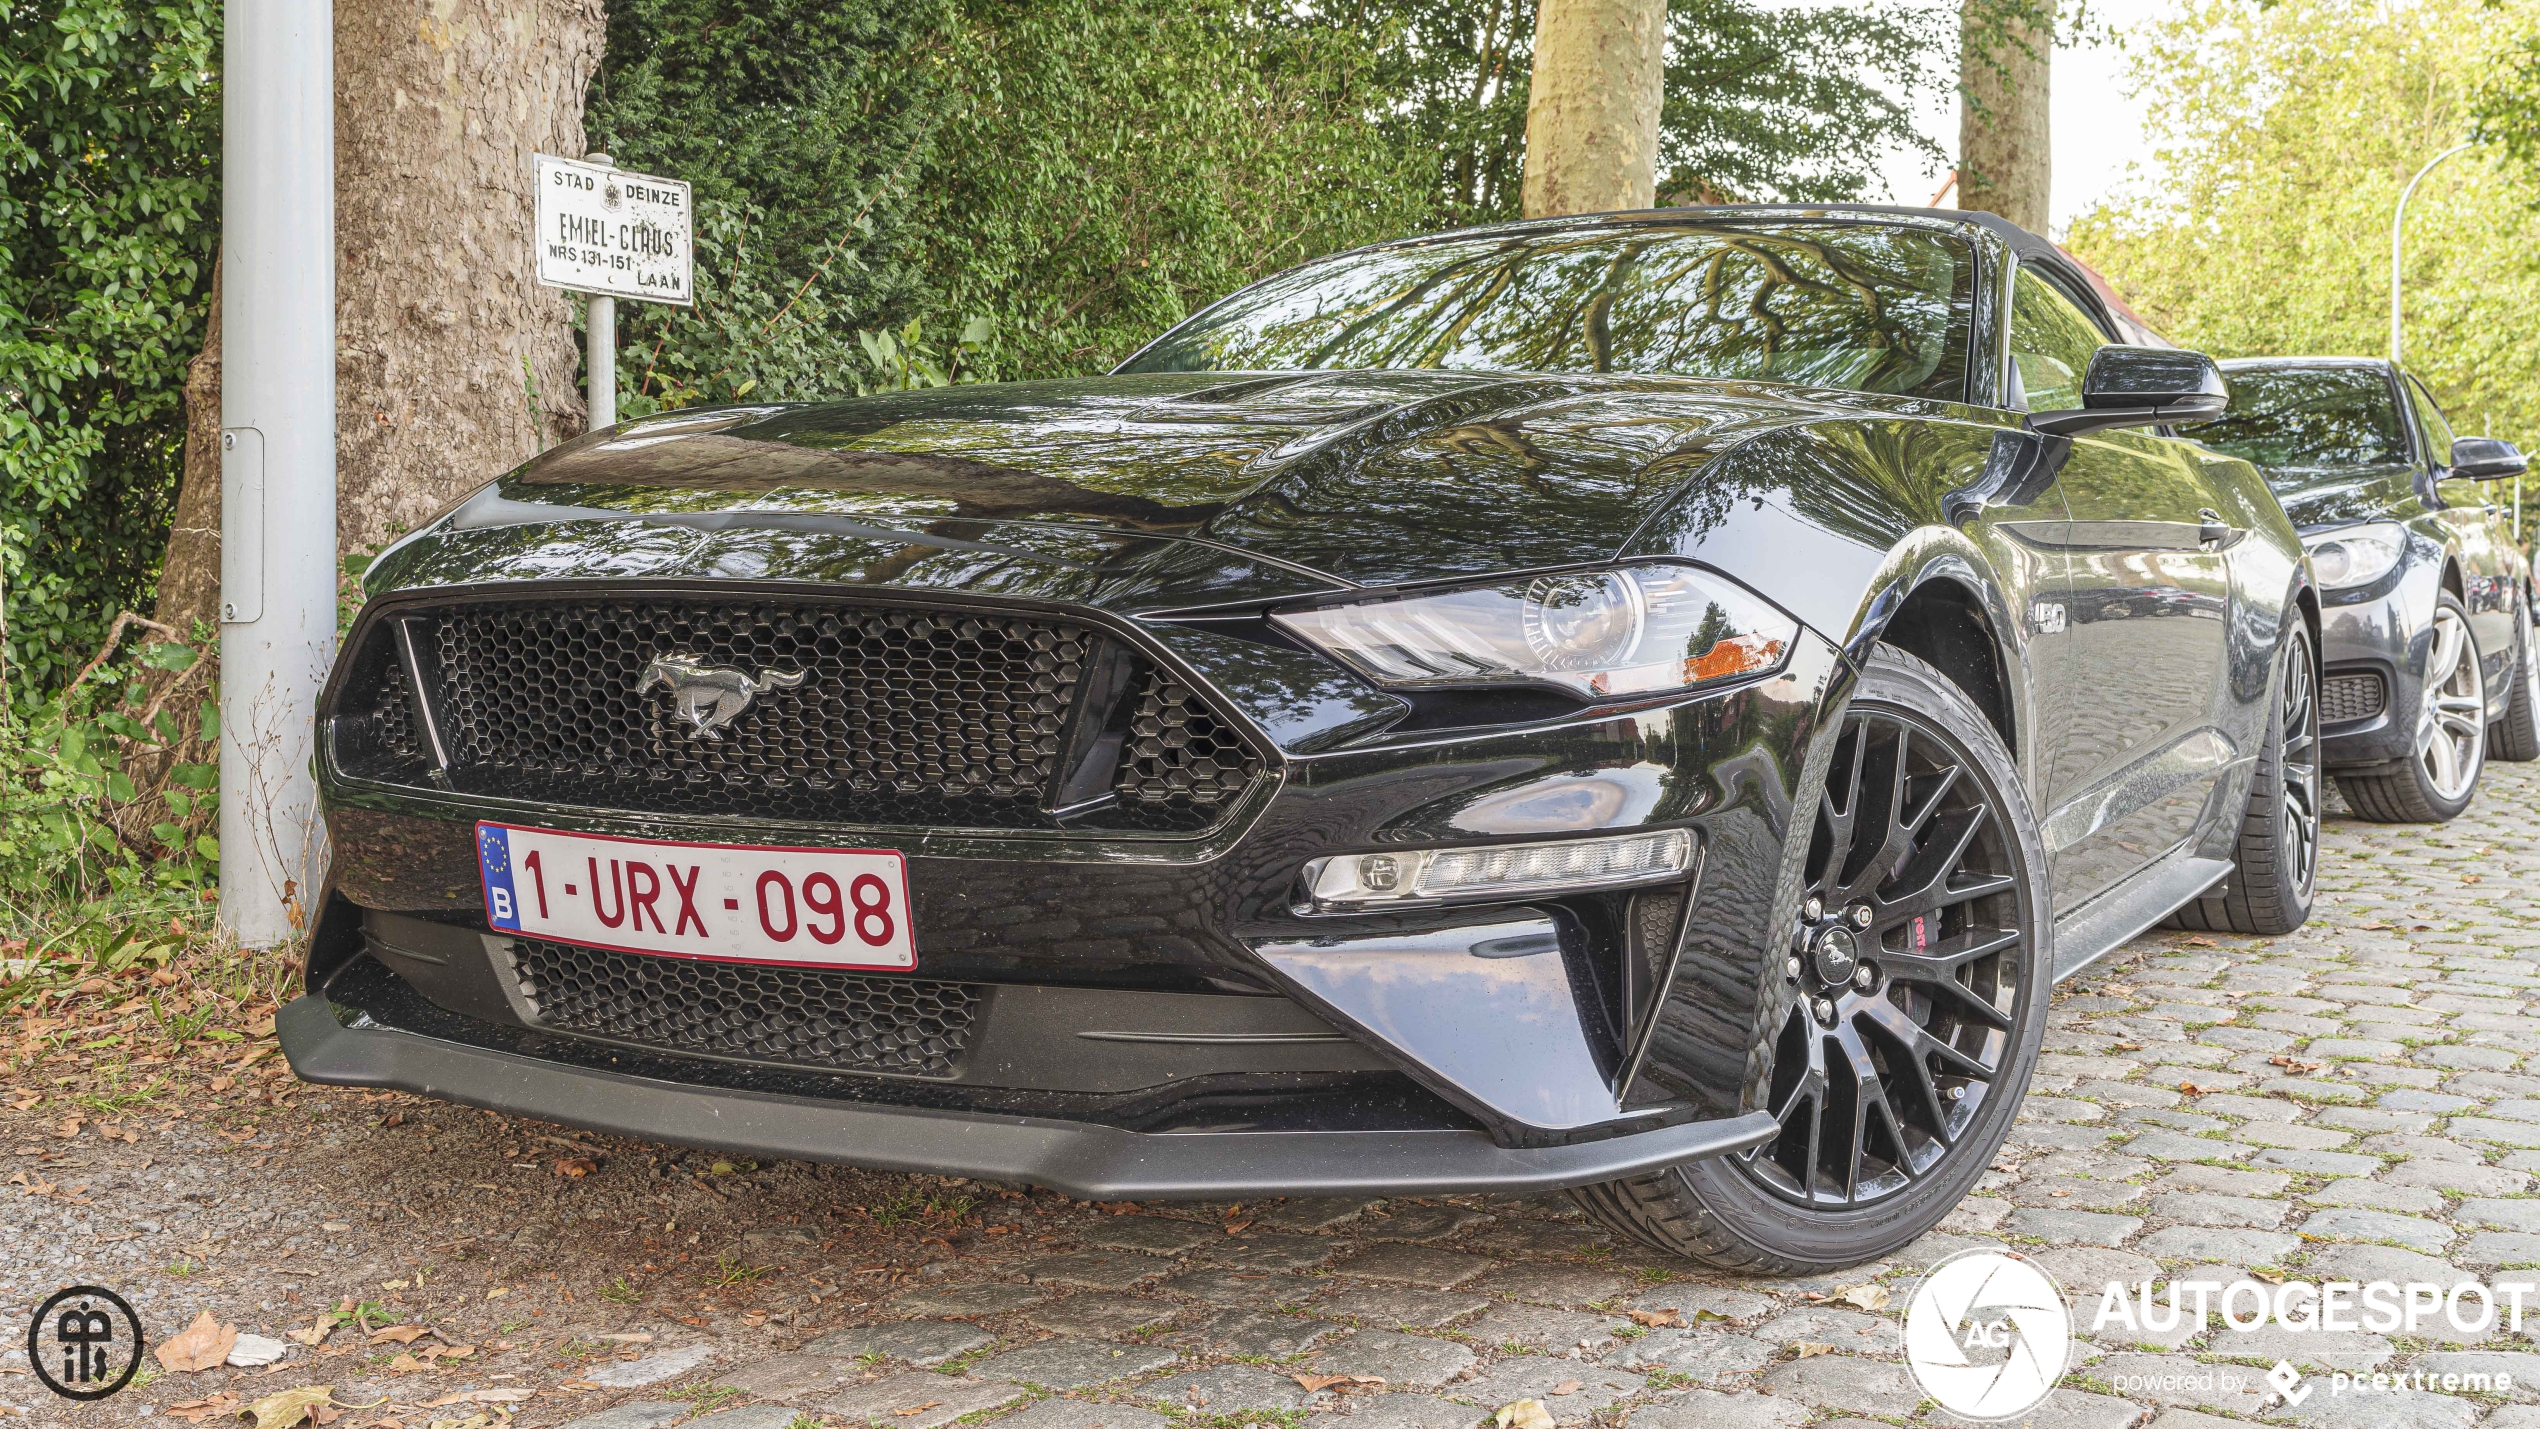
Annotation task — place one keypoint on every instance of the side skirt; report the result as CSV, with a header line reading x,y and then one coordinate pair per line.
x,y
2098,927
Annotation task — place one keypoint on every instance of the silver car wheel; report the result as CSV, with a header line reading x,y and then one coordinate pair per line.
x,y
2452,732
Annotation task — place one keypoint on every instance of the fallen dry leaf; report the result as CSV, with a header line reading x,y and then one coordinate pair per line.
x,y
1866,1297
204,1344
1317,1383
2294,1065
2193,942
69,1126
1237,1227
1567,1386
576,1167
914,1408
315,1335
402,1334
492,1396
1523,1414
195,1411
1810,1349
1707,1317
2194,1089
2272,1277
1116,1208
281,1411
1658,1319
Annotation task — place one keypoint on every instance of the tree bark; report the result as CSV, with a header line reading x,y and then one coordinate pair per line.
x,y
452,364
1592,113
189,577
2005,159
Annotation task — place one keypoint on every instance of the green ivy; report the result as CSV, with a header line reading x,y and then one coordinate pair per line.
x,y
109,152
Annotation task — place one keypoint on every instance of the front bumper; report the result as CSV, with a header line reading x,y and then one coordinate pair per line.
x,y
340,1046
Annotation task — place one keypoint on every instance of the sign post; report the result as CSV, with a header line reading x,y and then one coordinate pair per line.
x,y
612,234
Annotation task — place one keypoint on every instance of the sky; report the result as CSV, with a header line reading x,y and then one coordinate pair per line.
x,y
2097,129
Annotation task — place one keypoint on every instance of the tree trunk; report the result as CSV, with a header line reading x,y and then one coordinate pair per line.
x,y
452,365
189,578
1592,114
2005,161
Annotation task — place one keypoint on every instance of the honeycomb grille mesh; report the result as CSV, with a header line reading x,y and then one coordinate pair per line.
x,y
2345,697
805,1017
1178,751
817,711
392,719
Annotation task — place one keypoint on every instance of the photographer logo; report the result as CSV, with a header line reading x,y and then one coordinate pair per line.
x,y
85,1343
1987,1334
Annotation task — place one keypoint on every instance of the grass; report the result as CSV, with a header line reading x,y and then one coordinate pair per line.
x,y
729,1269
621,1291
707,1397
132,1004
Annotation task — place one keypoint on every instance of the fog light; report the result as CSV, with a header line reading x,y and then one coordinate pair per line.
x,y
1464,875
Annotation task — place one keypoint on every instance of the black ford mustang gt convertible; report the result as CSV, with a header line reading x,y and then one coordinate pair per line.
x,y
1644,704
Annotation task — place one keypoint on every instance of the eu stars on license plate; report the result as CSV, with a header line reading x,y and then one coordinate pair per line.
x,y
811,907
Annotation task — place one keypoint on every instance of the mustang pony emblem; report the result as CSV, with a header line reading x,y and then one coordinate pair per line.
x,y
711,696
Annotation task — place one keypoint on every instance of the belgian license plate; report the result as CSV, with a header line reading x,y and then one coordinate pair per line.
x,y
834,908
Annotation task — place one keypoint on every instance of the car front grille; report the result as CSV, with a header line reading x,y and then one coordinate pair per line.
x,y
805,1017
865,714
2347,697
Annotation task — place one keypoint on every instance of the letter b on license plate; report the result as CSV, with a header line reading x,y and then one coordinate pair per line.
x,y
840,908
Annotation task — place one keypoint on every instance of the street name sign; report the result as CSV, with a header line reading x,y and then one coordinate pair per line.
x,y
604,230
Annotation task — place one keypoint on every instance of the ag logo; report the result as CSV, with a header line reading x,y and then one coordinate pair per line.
x,y
1987,1334
85,1343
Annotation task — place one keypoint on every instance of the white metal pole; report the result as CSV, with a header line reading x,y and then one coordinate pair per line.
x,y
2399,217
600,330
278,559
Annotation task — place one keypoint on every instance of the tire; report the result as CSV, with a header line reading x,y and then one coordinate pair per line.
x,y
2276,864
2434,784
2516,738
1959,849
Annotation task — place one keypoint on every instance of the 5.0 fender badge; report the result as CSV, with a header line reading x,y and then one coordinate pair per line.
x,y
709,697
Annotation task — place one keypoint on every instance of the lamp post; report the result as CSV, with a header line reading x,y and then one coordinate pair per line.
x,y
2398,218
277,632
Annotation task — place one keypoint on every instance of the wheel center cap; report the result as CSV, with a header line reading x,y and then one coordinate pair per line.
x,y
1837,955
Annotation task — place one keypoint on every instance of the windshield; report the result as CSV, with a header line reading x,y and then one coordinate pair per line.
x,y
2307,417
1865,307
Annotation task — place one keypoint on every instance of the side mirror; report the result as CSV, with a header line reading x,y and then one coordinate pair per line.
x,y
2486,459
2141,387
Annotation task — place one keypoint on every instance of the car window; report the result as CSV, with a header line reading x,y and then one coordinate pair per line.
x,y
2438,432
1861,306
2051,343
2308,418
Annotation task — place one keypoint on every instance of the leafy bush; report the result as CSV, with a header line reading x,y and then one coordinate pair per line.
x,y
109,154
105,788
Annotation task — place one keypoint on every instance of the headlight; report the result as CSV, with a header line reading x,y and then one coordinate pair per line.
x,y
1630,630
2358,555
1351,882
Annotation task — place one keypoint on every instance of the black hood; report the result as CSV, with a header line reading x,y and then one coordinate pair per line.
x,y
1152,488
2318,497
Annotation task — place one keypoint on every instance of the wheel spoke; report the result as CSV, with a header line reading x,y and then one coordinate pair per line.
x,y
1919,1043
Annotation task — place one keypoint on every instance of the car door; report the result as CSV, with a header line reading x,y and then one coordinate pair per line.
x,y
2480,532
2138,742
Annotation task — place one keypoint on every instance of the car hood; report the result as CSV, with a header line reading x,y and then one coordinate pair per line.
x,y
1152,488
2317,497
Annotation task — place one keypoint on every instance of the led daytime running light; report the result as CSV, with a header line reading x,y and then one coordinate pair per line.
x,y
1395,877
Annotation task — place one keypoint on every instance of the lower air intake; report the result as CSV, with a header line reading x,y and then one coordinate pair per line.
x,y
805,1017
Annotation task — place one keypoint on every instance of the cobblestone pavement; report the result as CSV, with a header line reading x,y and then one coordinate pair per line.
x,y
2348,1102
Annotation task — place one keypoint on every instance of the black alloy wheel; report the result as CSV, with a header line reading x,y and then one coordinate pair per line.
x,y
2298,771
2275,863
1904,972
1901,1018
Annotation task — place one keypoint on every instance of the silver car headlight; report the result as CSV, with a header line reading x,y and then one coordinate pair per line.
x,y
2355,555
1639,629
